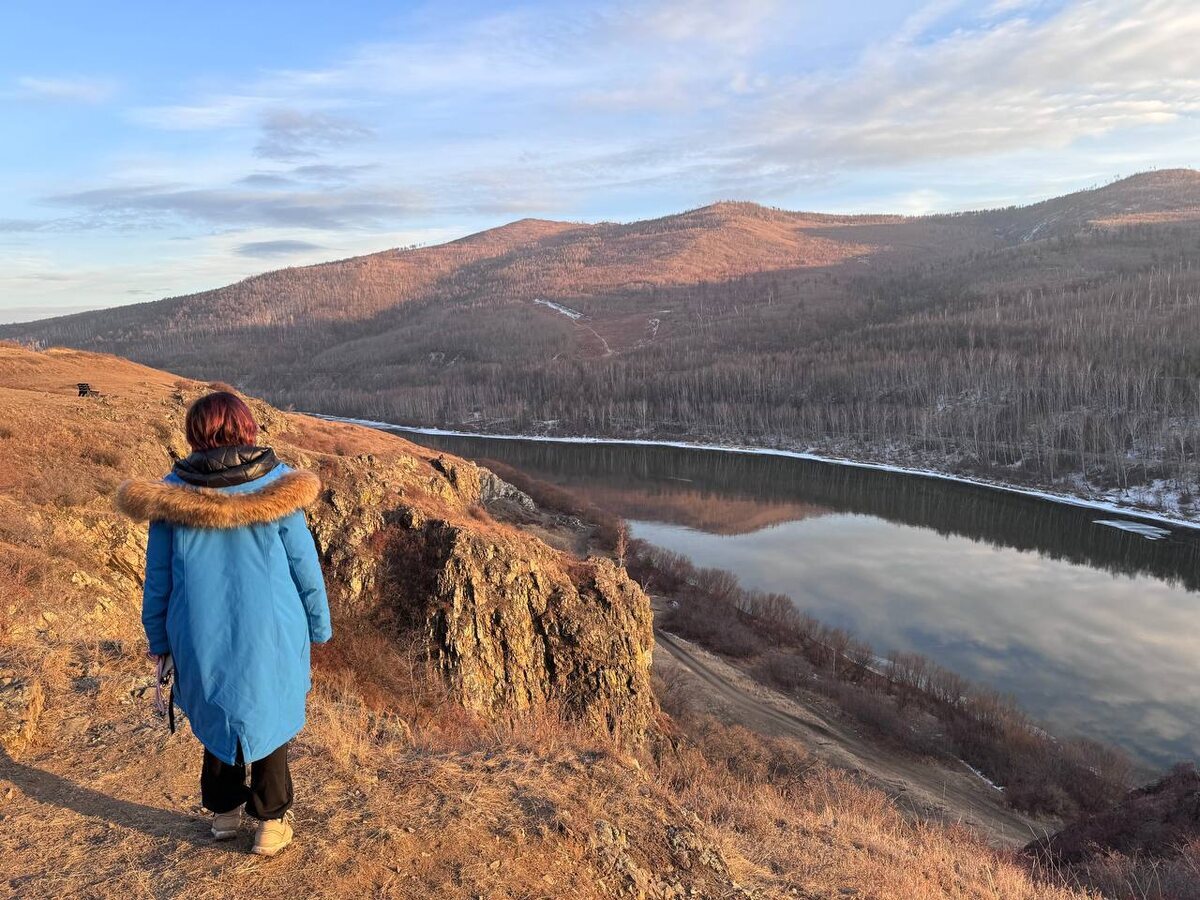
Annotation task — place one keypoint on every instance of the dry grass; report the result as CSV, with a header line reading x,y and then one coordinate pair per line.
x,y
384,809
1136,877
806,828
389,810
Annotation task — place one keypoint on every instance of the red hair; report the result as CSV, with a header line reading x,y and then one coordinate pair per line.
x,y
220,420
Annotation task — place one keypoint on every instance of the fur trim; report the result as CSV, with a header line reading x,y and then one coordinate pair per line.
x,y
158,501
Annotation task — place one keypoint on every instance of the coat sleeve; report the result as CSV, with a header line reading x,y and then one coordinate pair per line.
x,y
156,590
306,573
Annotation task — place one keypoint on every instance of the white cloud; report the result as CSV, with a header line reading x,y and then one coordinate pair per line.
x,y
292,134
216,112
738,26
138,205
1002,84
69,90
1014,85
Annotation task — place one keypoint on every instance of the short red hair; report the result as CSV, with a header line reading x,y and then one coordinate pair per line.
x,y
220,420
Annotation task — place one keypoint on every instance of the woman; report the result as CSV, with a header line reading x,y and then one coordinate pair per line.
x,y
234,594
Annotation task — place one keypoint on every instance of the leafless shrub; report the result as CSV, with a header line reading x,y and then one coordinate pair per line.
x,y
106,456
784,669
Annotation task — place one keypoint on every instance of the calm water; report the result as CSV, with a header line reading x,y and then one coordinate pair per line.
x,y
1095,630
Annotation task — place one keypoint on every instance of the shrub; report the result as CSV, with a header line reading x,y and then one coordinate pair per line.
x,y
784,669
106,456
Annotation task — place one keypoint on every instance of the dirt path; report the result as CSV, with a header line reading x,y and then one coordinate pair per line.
x,y
923,787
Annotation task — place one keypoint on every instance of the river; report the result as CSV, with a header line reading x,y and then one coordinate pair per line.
x,y
1093,628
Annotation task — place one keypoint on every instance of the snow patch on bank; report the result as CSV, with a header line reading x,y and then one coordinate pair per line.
x,y
559,308
981,776
1104,505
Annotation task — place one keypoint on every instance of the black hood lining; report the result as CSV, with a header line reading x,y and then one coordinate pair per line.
x,y
226,466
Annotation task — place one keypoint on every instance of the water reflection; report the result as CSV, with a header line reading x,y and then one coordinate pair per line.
x,y
1094,629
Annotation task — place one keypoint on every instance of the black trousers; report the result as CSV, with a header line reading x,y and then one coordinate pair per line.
x,y
269,796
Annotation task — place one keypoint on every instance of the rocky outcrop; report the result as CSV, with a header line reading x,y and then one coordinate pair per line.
x,y
21,703
493,490
514,626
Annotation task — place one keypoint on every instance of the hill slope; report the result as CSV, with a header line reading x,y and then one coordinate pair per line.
x,y
1167,195
1050,343
409,785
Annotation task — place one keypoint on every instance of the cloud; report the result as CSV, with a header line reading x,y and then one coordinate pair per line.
x,y
142,205
328,172
68,90
639,107
224,111
267,249
1014,85
325,174
267,180
290,134
521,55
739,26
16,226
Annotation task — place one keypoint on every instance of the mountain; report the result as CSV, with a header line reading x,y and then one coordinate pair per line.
x,y
1051,343
479,725
1166,195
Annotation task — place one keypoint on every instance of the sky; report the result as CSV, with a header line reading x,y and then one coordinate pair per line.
x,y
156,149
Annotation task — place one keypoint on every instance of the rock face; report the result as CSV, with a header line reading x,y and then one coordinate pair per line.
x,y
513,629
494,489
514,626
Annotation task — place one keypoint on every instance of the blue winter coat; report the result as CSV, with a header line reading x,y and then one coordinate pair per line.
x,y
234,593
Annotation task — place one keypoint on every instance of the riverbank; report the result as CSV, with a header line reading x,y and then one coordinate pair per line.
x,y
1124,504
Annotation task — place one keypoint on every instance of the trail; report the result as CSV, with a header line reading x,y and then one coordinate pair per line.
x,y
922,787
577,317
607,349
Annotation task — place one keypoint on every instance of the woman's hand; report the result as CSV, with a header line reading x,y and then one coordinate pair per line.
x,y
154,657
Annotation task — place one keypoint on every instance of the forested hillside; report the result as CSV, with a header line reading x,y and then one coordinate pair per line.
x,y
1055,342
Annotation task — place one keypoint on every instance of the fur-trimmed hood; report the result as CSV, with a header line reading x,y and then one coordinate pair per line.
x,y
195,507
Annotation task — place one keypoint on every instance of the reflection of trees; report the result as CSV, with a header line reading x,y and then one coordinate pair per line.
x,y
698,508
1002,519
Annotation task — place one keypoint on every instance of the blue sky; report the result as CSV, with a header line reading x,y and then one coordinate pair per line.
x,y
153,149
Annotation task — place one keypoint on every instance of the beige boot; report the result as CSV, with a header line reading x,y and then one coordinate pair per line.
x,y
225,825
273,835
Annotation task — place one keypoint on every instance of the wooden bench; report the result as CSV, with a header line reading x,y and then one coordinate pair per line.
x,y
85,390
